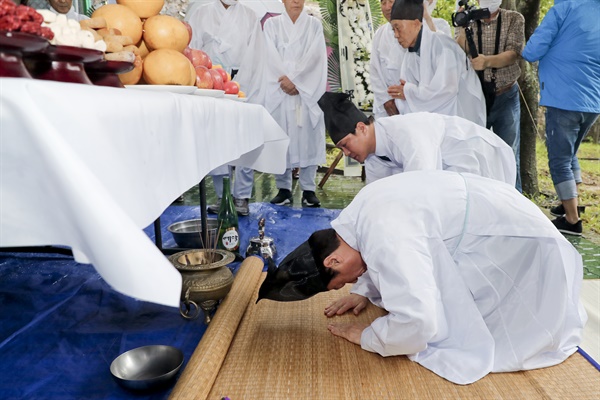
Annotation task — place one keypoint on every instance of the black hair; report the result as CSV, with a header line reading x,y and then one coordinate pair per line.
x,y
322,244
408,9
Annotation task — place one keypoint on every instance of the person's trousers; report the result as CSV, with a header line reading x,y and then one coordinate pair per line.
x,y
244,181
505,120
565,130
307,179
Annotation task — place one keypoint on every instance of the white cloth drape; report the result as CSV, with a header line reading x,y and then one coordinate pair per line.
x,y
88,167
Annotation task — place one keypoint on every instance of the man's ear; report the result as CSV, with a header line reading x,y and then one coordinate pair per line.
x,y
360,127
332,260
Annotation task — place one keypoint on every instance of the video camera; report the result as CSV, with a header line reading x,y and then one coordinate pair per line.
x,y
469,14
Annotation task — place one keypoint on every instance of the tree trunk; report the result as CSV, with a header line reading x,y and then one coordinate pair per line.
x,y
528,83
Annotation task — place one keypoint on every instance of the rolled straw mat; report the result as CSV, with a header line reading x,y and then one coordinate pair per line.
x,y
274,350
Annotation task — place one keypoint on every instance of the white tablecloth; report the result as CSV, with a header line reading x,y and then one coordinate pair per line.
x,y
88,167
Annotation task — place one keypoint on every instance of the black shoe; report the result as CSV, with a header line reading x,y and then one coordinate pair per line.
x,y
567,228
559,210
309,199
283,197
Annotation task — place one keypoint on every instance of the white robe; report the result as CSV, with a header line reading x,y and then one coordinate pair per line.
x,y
298,51
441,80
427,141
386,61
224,34
475,277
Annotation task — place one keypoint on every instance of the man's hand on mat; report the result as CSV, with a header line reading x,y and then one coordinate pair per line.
x,y
354,302
351,332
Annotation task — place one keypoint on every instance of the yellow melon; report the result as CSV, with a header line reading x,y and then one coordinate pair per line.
x,y
165,32
167,67
143,49
144,8
121,18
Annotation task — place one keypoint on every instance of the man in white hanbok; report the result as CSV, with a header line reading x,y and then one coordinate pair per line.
x,y
416,141
295,79
475,278
434,76
230,33
387,56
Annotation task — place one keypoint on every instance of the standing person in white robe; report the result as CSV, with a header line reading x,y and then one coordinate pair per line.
x,y
435,76
230,33
415,142
471,286
295,79
387,56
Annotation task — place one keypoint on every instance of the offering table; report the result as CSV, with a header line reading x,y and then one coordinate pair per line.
x,y
88,167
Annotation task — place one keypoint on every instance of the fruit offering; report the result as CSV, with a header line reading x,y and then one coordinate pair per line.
x,y
21,18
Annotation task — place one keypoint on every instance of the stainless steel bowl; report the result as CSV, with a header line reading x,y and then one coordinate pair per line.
x,y
147,367
187,233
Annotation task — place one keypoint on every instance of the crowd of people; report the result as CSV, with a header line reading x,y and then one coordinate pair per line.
x,y
474,276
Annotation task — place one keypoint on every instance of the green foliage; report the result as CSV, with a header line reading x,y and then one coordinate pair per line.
x,y
328,10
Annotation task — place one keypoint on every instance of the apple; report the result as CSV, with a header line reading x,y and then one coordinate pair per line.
x,y
197,57
223,73
189,28
217,79
204,78
231,88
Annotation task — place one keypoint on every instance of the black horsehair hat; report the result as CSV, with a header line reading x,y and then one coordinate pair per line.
x,y
297,277
408,9
341,115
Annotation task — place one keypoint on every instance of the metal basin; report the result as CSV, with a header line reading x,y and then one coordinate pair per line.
x,y
187,233
147,367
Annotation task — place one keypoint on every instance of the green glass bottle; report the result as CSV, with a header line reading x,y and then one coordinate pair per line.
x,y
227,219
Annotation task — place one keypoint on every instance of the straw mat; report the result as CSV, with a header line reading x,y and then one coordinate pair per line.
x,y
284,351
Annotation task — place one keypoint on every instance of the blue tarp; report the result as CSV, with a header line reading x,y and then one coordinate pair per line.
x,y
61,325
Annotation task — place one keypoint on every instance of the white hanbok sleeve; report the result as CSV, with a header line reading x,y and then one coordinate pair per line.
x,y
403,273
252,67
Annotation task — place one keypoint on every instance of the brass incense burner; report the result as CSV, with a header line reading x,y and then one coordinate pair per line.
x,y
206,280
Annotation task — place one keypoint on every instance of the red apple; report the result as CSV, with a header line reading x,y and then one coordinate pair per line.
x,y
197,57
217,79
204,78
231,87
224,74
189,28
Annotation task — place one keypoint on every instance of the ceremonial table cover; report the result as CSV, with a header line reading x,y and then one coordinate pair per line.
x,y
88,167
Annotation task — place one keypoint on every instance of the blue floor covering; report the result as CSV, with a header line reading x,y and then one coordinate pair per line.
x,y
61,325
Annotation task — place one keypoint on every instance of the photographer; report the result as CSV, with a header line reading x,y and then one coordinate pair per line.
x,y
498,40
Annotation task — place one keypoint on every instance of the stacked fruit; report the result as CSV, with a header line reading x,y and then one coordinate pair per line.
x,y
211,76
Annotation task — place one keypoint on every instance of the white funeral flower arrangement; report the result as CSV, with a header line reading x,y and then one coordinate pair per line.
x,y
357,25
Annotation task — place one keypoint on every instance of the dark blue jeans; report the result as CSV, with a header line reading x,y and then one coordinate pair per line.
x,y
505,120
564,132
